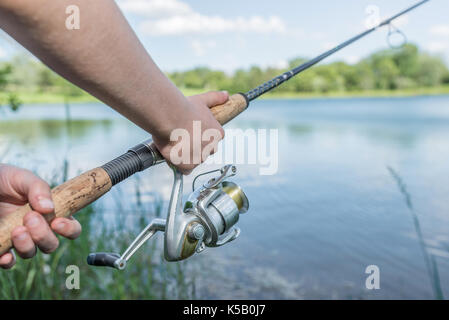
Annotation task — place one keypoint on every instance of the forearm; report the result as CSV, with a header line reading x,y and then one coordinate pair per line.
x,y
104,57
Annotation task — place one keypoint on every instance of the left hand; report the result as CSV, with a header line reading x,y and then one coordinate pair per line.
x,y
18,187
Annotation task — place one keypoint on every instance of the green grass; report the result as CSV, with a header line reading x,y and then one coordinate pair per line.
x,y
429,258
48,97
145,277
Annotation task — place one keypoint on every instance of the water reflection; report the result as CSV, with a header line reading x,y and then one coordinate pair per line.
x,y
331,210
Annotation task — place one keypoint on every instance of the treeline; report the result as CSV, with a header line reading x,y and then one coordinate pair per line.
x,y
9,98
391,69
26,74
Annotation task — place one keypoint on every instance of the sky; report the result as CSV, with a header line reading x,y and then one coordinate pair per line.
x,y
232,34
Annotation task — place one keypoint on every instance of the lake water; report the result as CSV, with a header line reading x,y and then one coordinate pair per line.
x,y
332,209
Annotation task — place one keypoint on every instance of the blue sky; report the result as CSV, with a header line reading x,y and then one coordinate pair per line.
x,y
226,35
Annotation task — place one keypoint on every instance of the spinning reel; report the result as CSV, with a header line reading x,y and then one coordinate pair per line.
x,y
207,220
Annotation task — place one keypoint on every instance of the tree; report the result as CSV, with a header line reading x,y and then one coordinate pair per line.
x,y
431,71
12,100
407,60
385,70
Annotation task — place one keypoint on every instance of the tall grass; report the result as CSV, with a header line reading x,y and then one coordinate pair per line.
x,y
431,265
146,276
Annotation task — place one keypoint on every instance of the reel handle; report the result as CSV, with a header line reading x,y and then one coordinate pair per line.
x,y
77,193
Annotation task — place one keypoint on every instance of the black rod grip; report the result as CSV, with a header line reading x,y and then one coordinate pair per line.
x,y
136,159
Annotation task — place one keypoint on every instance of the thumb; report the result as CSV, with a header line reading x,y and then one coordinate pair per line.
x,y
214,98
27,186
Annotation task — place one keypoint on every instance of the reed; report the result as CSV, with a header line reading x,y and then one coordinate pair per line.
x,y
147,276
431,265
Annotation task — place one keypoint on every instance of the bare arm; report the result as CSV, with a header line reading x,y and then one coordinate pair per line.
x,y
105,58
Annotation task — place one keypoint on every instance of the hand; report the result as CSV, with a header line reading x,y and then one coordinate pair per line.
x,y
198,110
18,187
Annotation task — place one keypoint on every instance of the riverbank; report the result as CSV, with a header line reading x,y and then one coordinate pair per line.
x,y
37,97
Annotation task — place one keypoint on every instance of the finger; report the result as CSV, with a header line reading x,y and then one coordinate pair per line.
x,y
23,243
214,98
7,260
40,232
69,228
36,190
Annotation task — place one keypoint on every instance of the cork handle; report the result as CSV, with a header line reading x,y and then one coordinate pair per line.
x,y
224,113
77,193
68,198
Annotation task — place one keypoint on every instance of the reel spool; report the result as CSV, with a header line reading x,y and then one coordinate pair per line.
x,y
207,219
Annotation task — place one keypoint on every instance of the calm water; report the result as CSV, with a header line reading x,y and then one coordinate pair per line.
x,y
332,209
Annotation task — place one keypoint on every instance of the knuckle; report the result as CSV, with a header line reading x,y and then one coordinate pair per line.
x,y
20,173
40,236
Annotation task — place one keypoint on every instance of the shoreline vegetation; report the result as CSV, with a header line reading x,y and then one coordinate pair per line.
x,y
402,72
44,97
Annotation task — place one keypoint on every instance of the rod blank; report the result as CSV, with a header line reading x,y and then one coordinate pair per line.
x,y
277,81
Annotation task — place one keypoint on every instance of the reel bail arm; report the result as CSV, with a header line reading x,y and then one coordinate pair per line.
x,y
207,220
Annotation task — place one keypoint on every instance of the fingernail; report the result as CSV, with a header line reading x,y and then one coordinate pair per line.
x,y
32,222
59,226
46,203
225,92
21,236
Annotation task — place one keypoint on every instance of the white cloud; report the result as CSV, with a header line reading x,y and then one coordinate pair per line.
x,y
200,48
402,21
437,46
155,8
351,59
199,24
174,17
440,30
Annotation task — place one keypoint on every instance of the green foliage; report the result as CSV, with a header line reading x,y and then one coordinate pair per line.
x,y
44,276
25,74
14,101
403,68
5,70
11,98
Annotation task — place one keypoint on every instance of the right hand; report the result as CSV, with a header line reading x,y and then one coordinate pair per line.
x,y
199,110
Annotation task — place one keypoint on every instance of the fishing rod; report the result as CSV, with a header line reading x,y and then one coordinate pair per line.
x,y
211,212
275,82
